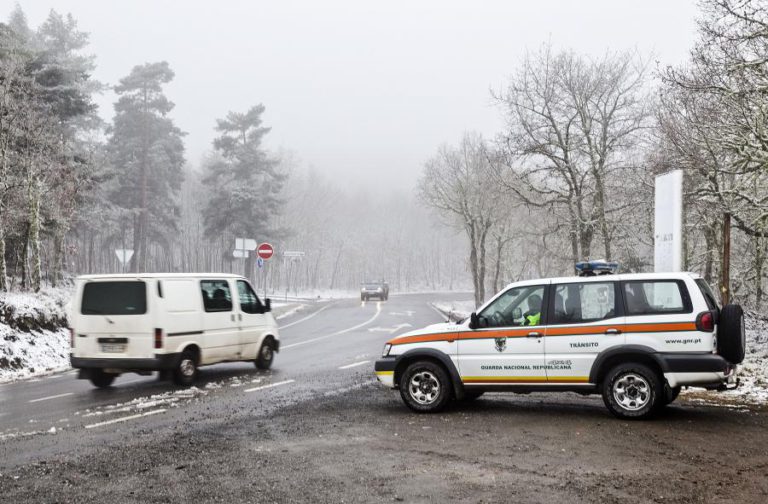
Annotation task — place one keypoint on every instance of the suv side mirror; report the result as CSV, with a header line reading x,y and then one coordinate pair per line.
x,y
267,305
474,321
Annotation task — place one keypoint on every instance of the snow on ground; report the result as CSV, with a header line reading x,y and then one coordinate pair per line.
x,y
33,335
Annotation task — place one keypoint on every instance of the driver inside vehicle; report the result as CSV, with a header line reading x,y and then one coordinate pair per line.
x,y
533,316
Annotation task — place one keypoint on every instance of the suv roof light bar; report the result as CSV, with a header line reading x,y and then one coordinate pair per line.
x,y
594,268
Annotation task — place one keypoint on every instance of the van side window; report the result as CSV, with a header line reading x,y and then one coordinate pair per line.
x,y
249,301
577,303
656,297
216,295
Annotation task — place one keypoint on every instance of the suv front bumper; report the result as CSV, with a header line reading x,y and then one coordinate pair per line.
x,y
385,371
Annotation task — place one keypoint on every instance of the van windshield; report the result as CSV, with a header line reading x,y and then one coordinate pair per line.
x,y
114,298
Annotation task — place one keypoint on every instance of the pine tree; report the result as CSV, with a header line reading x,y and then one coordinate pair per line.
x,y
147,152
244,181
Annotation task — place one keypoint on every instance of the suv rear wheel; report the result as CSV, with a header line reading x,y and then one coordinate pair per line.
x,y
425,387
632,391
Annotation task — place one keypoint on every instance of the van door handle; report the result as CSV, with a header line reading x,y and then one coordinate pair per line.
x,y
232,317
534,334
240,317
613,331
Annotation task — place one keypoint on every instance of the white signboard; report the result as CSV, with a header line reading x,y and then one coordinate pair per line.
x,y
245,244
124,255
293,253
668,223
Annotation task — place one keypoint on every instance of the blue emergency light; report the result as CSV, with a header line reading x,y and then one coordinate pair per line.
x,y
593,268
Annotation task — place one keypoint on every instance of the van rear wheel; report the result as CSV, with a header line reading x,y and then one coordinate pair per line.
x,y
185,372
101,379
266,354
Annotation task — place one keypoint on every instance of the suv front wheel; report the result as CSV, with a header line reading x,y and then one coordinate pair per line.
x,y
632,391
425,387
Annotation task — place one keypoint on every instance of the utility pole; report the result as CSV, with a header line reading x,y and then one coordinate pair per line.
x,y
725,289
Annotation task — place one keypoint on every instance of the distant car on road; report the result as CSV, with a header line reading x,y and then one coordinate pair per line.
x,y
636,339
171,323
379,290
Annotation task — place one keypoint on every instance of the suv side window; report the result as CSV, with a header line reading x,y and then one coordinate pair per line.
x,y
656,297
578,303
216,295
520,306
249,301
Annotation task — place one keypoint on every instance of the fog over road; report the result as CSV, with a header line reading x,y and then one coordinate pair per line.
x,y
316,428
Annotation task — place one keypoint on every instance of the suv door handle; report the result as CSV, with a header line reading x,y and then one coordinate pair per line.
x,y
534,334
613,331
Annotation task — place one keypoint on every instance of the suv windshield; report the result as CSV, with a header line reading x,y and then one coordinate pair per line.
x,y
114,298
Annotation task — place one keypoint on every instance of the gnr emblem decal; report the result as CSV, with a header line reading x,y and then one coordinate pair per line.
x,y
501,344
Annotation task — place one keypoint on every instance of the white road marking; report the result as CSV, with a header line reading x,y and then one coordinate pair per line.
x,y
53,376
343,331
390,330
305,318
354,365
285,382
125,418
51,397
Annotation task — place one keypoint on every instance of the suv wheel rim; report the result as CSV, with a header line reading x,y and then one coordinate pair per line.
x,y
187,367
266,352
424,388
631,391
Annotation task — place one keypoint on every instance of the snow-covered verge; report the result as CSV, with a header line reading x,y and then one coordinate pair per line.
x,y
33,335
753,372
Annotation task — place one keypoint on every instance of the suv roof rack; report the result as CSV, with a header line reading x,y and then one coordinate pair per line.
x,y
594,268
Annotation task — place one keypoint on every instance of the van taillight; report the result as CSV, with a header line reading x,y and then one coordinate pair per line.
x,y
705,322
158,338
71,337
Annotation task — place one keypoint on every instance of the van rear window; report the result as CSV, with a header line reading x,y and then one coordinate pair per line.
x,y
114,298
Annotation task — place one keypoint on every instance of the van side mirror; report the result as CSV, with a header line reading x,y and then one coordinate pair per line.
x,y
267,305
474,321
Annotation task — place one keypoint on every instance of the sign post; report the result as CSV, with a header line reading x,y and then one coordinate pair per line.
x,y
264,251
668,223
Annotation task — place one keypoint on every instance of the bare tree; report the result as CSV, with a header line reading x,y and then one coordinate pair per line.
x,y
459,183
572,125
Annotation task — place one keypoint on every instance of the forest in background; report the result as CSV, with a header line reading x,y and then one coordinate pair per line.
x,y
570,176
74,189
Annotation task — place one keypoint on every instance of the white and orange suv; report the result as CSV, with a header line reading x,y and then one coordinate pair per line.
x,y
634,338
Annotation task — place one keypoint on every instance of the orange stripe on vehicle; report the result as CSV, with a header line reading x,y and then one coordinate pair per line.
x,y
549,331
524,379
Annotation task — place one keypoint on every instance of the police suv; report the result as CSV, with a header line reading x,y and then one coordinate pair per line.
x,y
636,339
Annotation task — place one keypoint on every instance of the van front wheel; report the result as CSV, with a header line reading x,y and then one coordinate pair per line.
x,y
101,379
266,354
186,370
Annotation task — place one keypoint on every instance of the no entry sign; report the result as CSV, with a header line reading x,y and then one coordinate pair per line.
x,y
265,251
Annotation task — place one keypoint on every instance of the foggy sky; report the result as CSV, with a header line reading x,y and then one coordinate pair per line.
x,y
362,91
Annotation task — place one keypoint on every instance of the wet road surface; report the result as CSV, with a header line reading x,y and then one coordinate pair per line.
x,y
316,428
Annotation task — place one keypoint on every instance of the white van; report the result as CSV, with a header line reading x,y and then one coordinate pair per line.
x,y
172,323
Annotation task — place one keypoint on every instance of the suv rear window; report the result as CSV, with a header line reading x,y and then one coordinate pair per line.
x,y
656,297
114,298
709,296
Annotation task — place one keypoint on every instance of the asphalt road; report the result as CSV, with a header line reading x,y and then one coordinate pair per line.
x,y
316,428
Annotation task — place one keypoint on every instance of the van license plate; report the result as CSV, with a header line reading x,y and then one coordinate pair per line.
x,y
113,347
